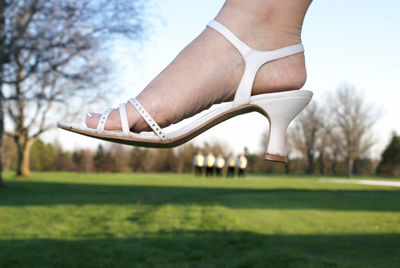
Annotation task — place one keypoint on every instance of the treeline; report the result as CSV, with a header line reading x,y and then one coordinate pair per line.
x,y
119,158
335,136
330,138
110,158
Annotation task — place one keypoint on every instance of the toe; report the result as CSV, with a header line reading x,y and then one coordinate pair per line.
x,y
92,120
113,122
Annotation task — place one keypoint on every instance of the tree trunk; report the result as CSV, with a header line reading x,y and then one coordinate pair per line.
x,y
2,185
310,158
2,23
1,132
287,168
321,164
24,146
334,163
350,164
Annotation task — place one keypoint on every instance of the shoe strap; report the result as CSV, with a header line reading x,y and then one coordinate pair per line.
x,y
243,49
124,118
253,59
103,119
150,121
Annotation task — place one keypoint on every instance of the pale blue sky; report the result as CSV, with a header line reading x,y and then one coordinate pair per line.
x,y
354,41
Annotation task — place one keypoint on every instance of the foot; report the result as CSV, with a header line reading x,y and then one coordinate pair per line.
x,y
207,72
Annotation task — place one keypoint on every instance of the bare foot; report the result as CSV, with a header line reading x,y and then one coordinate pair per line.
x,y
209,70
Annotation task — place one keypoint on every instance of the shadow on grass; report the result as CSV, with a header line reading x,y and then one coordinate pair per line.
x,y
39,193
207,249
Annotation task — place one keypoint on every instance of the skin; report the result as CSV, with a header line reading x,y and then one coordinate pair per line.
x,y
209,69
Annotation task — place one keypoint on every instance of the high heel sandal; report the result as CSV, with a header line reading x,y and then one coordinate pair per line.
x,y
280,108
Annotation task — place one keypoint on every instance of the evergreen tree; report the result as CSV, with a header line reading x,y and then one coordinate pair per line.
x,y
42,156
102,160
390,163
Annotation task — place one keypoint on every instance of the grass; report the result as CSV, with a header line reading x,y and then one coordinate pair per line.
x,y
174,220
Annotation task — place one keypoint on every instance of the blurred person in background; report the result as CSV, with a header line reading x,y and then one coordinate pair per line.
x,y
210,162
242,165
231,166
198,162
219,165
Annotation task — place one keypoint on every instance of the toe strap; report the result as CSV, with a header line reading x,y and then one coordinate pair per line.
x,y
124,118
150,121
103,119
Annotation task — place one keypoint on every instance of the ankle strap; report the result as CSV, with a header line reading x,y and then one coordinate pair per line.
x,y
243,49
253,59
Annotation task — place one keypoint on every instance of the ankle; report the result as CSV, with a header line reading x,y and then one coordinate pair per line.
x,y
264,25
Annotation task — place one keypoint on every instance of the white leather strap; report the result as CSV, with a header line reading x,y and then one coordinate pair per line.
x,y
103,119
266,56
253,62
253,59
124,118
236,42
146,116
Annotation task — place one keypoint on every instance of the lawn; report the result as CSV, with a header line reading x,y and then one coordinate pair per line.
x,y
172,220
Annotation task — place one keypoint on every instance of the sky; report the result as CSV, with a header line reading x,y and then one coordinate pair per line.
x,y
356,42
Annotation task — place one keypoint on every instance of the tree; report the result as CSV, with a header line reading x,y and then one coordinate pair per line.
x,y
83,160
120,157
305,135
161,160
334,149
353,119
137,160
42,156
52,56
185,154
8,154
102,160
2,185
2,61
62,160
390,159
322,148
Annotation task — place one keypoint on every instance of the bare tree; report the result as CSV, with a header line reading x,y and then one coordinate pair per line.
x,y
322,145
305,134
2,185
352,120
2,61
53,51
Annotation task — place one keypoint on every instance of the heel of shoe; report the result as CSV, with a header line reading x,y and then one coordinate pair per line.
x,y
276,145
280,111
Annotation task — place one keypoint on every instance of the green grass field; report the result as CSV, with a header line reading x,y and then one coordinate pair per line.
x,y
170,220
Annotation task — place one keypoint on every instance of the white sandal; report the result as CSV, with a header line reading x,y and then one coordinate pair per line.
x,y
280,108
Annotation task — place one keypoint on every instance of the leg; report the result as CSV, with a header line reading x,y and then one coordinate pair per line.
x,y
213,68
231,172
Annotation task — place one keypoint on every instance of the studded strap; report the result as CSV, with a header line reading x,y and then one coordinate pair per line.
x,y
150,121
103,119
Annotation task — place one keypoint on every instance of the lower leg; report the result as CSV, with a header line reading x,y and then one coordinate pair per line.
x,y
268,25
265,24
